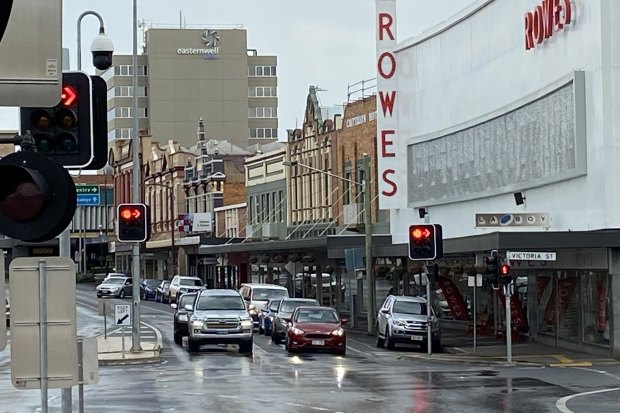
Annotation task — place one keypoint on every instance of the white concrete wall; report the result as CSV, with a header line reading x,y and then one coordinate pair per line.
x,y
479,65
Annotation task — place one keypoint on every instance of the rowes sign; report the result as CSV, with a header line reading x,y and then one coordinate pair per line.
x,y
548,17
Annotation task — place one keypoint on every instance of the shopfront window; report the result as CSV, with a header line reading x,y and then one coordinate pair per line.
x,y
595,308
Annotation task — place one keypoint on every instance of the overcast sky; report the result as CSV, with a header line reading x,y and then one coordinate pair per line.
x,y
326,43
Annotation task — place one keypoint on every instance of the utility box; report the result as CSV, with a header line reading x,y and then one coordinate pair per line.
x,y
60,322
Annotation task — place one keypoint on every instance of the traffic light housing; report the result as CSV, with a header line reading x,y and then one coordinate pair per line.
x,y
100,123
425,242
504,273
134,223
492,264
64,132
37,197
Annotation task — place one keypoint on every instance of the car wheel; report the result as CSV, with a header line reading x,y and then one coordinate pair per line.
x,y
121,294
261,330
267,332
274,336
288,347
98,295
389,343
246,347
379,341
178,338
343,350
192,346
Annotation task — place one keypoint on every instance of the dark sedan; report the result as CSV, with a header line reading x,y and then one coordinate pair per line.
x,y
148,288
181,316
316,328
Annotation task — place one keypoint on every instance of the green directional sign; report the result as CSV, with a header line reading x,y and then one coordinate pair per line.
x,y
87,189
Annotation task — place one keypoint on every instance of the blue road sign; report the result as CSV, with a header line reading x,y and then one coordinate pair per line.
x,y
85,199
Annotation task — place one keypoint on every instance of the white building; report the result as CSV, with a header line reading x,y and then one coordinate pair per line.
x,y
510,99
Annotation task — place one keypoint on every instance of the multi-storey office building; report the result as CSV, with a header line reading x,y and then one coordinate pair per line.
x,y
186,74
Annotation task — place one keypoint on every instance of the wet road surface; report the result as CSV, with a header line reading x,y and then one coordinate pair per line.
x,y
368,379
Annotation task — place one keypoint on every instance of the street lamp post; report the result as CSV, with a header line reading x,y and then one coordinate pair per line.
x,y
365,187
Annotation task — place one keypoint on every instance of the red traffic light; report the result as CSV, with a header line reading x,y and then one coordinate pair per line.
x,y
504,270
127,213
68,96
418,232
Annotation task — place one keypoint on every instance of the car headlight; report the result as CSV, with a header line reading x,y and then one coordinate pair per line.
x,y
253,312
183,318
197,323
339,332
297,331
246,323
399,323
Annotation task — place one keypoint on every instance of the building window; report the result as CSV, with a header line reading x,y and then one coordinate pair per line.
x,y
263,112
258,133
127,70
262,91
262,71
123,112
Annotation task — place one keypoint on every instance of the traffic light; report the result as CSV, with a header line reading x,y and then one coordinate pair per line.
x,y
64,132
504,273
492,267
100,123
37,197
134,223
425,242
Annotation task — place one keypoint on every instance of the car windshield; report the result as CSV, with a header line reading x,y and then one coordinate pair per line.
x,y
409,307
191,282
317,316
187,299
265,294
115,280
287,307
151,283
220,303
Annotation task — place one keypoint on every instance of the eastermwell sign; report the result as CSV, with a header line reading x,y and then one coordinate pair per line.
x,y
530,256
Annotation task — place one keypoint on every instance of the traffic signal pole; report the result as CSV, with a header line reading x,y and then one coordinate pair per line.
x,y
136,192
507,294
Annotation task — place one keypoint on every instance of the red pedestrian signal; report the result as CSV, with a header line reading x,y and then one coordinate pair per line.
x,y
425,242
133,223
504,273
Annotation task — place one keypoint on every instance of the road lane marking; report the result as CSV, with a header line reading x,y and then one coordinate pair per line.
x,y
322,409
561,403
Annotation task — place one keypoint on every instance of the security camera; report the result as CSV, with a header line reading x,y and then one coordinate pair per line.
x,y
102,49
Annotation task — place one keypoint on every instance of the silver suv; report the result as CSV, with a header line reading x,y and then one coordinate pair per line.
x,y
403,319
220,317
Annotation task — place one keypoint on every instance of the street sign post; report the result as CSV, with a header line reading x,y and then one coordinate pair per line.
x,y
31,40
122,317
43,331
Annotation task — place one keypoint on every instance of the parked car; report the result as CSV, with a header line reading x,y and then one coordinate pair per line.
x,y
220,317
328,282
119,287
257,295
8,312
285,311
265,318
161,291
181,285
148,288
404,319
184,310
316,328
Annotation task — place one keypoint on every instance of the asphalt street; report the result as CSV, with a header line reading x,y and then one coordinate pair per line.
x,y
368,379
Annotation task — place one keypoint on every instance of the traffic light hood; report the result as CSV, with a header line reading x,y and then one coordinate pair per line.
x,y
37,197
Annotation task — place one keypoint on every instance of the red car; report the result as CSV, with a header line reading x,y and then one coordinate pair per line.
x,y
316,328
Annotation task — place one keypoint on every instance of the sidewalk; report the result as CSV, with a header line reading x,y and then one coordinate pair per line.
x,y
458,347
110,349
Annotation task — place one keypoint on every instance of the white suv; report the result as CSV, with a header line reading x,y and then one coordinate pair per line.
x,y
257,295
404,319
181,285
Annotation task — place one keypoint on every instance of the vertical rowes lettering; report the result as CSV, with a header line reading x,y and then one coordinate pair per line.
x,y
5,13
